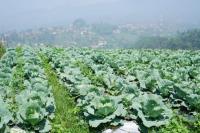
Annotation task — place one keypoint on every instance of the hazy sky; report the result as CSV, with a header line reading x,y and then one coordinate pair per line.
x,y
22,14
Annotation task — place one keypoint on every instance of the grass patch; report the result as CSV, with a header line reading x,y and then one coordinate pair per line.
x,y
17,82
88,72
67,118
18,76
180,124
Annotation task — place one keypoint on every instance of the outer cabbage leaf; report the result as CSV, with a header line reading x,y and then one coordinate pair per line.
x,y
104,110
5,115
115,85
151,110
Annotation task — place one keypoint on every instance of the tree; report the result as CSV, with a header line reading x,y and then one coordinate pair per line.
x,y
79,23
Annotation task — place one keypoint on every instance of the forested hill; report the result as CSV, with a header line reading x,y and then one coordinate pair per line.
x,y
102,35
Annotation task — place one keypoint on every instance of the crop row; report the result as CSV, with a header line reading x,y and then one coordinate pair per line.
x,y
173,75
27,98
104,97
150,87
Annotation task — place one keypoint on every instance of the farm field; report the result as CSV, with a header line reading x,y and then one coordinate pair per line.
x,y
87,90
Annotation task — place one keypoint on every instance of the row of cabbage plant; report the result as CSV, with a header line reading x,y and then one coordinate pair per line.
x,y
173,75
31,107
35,103
114,100
7,65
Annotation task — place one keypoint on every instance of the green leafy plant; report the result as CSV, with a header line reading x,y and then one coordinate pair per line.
x,y
151,110
103,110
5,114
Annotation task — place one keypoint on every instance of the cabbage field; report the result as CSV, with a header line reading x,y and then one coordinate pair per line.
x,y
87,90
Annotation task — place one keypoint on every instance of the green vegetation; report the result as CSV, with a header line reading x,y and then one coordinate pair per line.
x,y
88,72
179,124
35,102
67,114
176,125
183,40
25,94
104,82
18,75
85,90
2,50
7,64
17,82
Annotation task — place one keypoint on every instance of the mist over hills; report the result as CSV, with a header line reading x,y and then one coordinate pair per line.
x,y
103,23
23,14
104,35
